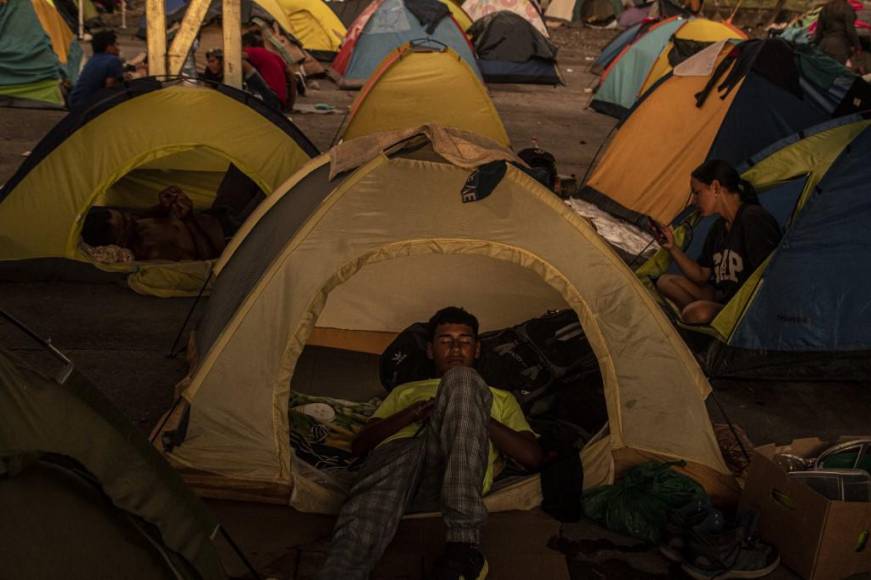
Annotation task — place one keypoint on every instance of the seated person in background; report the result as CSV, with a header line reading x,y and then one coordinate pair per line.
x,y
269,65
736,245
214,71
836,31
432,445
103,70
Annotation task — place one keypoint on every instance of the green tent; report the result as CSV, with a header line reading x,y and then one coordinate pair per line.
x,y
83,494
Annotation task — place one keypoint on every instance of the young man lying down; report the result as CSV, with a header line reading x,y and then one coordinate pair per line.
x,y
432,446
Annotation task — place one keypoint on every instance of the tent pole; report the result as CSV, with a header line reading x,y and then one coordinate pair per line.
x,y
172,351
65,372
81,19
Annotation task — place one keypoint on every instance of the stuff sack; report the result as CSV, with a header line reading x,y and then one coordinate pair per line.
x,y
404,360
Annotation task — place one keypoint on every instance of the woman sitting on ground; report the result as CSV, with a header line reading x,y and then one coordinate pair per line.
x,y
737,244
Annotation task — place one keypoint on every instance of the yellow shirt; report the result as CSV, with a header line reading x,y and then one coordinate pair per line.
x,y
505,409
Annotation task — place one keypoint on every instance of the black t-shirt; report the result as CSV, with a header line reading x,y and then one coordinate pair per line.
x,y
734,254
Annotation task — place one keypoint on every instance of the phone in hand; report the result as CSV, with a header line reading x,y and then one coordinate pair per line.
x,y
656,230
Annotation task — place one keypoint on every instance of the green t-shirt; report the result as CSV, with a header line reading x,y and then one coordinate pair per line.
x,y
505,409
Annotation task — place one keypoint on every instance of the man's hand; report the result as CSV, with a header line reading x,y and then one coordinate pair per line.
x,y
380,429
174,201
522,446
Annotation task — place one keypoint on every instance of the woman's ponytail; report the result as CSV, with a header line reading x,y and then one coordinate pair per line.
x,y
747,192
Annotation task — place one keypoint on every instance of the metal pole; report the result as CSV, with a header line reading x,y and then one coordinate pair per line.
x,y
81,19
124,14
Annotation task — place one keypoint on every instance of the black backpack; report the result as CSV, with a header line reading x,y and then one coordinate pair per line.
x,y
405,360
530,358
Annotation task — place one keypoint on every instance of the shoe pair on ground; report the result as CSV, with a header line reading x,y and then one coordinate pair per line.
x,y
708,549
460,561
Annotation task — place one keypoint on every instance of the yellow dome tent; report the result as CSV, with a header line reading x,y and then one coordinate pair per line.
x,y
415,85
122,151
375,235
313,23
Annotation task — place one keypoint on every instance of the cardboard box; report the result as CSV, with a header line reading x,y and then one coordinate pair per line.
x,y
818,538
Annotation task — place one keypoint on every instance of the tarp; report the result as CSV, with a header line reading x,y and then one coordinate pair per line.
x,y
406,233
416,85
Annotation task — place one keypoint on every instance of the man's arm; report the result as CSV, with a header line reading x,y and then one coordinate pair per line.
x,y
380,429
522,446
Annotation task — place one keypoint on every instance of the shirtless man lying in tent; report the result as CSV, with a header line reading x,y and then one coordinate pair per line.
x,y
172,230
432,446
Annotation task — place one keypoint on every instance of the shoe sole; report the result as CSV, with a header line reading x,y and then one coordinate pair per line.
x,y
727,574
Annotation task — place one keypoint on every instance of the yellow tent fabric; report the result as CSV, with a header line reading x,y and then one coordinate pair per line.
x,y
390,242
463,19
631,166
192,129
695,29
313,23
415,86
55,27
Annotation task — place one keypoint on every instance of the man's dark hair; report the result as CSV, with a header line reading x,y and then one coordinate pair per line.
x,y
543,165
251,39
97,231
452,315
103,40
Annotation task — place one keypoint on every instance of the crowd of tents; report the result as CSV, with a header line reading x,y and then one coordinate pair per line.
x,y
422,187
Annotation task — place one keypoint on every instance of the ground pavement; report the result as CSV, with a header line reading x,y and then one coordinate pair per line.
x,y
121,341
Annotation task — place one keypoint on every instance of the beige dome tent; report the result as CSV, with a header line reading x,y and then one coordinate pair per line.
x,y
378,233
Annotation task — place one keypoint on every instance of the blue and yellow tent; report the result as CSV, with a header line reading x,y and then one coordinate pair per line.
x,y
642,63
37,53
806,311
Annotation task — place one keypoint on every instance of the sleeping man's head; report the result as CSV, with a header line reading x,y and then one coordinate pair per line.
x,y
453,340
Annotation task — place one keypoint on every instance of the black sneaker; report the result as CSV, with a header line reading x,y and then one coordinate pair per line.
x,y
460,562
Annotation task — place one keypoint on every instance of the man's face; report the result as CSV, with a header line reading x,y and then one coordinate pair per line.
x,y
215,65
453,345
113,49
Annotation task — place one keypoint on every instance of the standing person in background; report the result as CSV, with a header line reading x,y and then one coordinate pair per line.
x,y
104,70
836,31
269,65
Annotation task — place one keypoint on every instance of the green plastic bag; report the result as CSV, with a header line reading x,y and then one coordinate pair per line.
x,y
638,505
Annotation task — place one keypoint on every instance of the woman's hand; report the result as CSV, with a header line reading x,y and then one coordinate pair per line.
x,y
665,237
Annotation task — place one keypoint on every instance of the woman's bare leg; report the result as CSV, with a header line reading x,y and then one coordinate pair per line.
x,y
683,291
700,311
